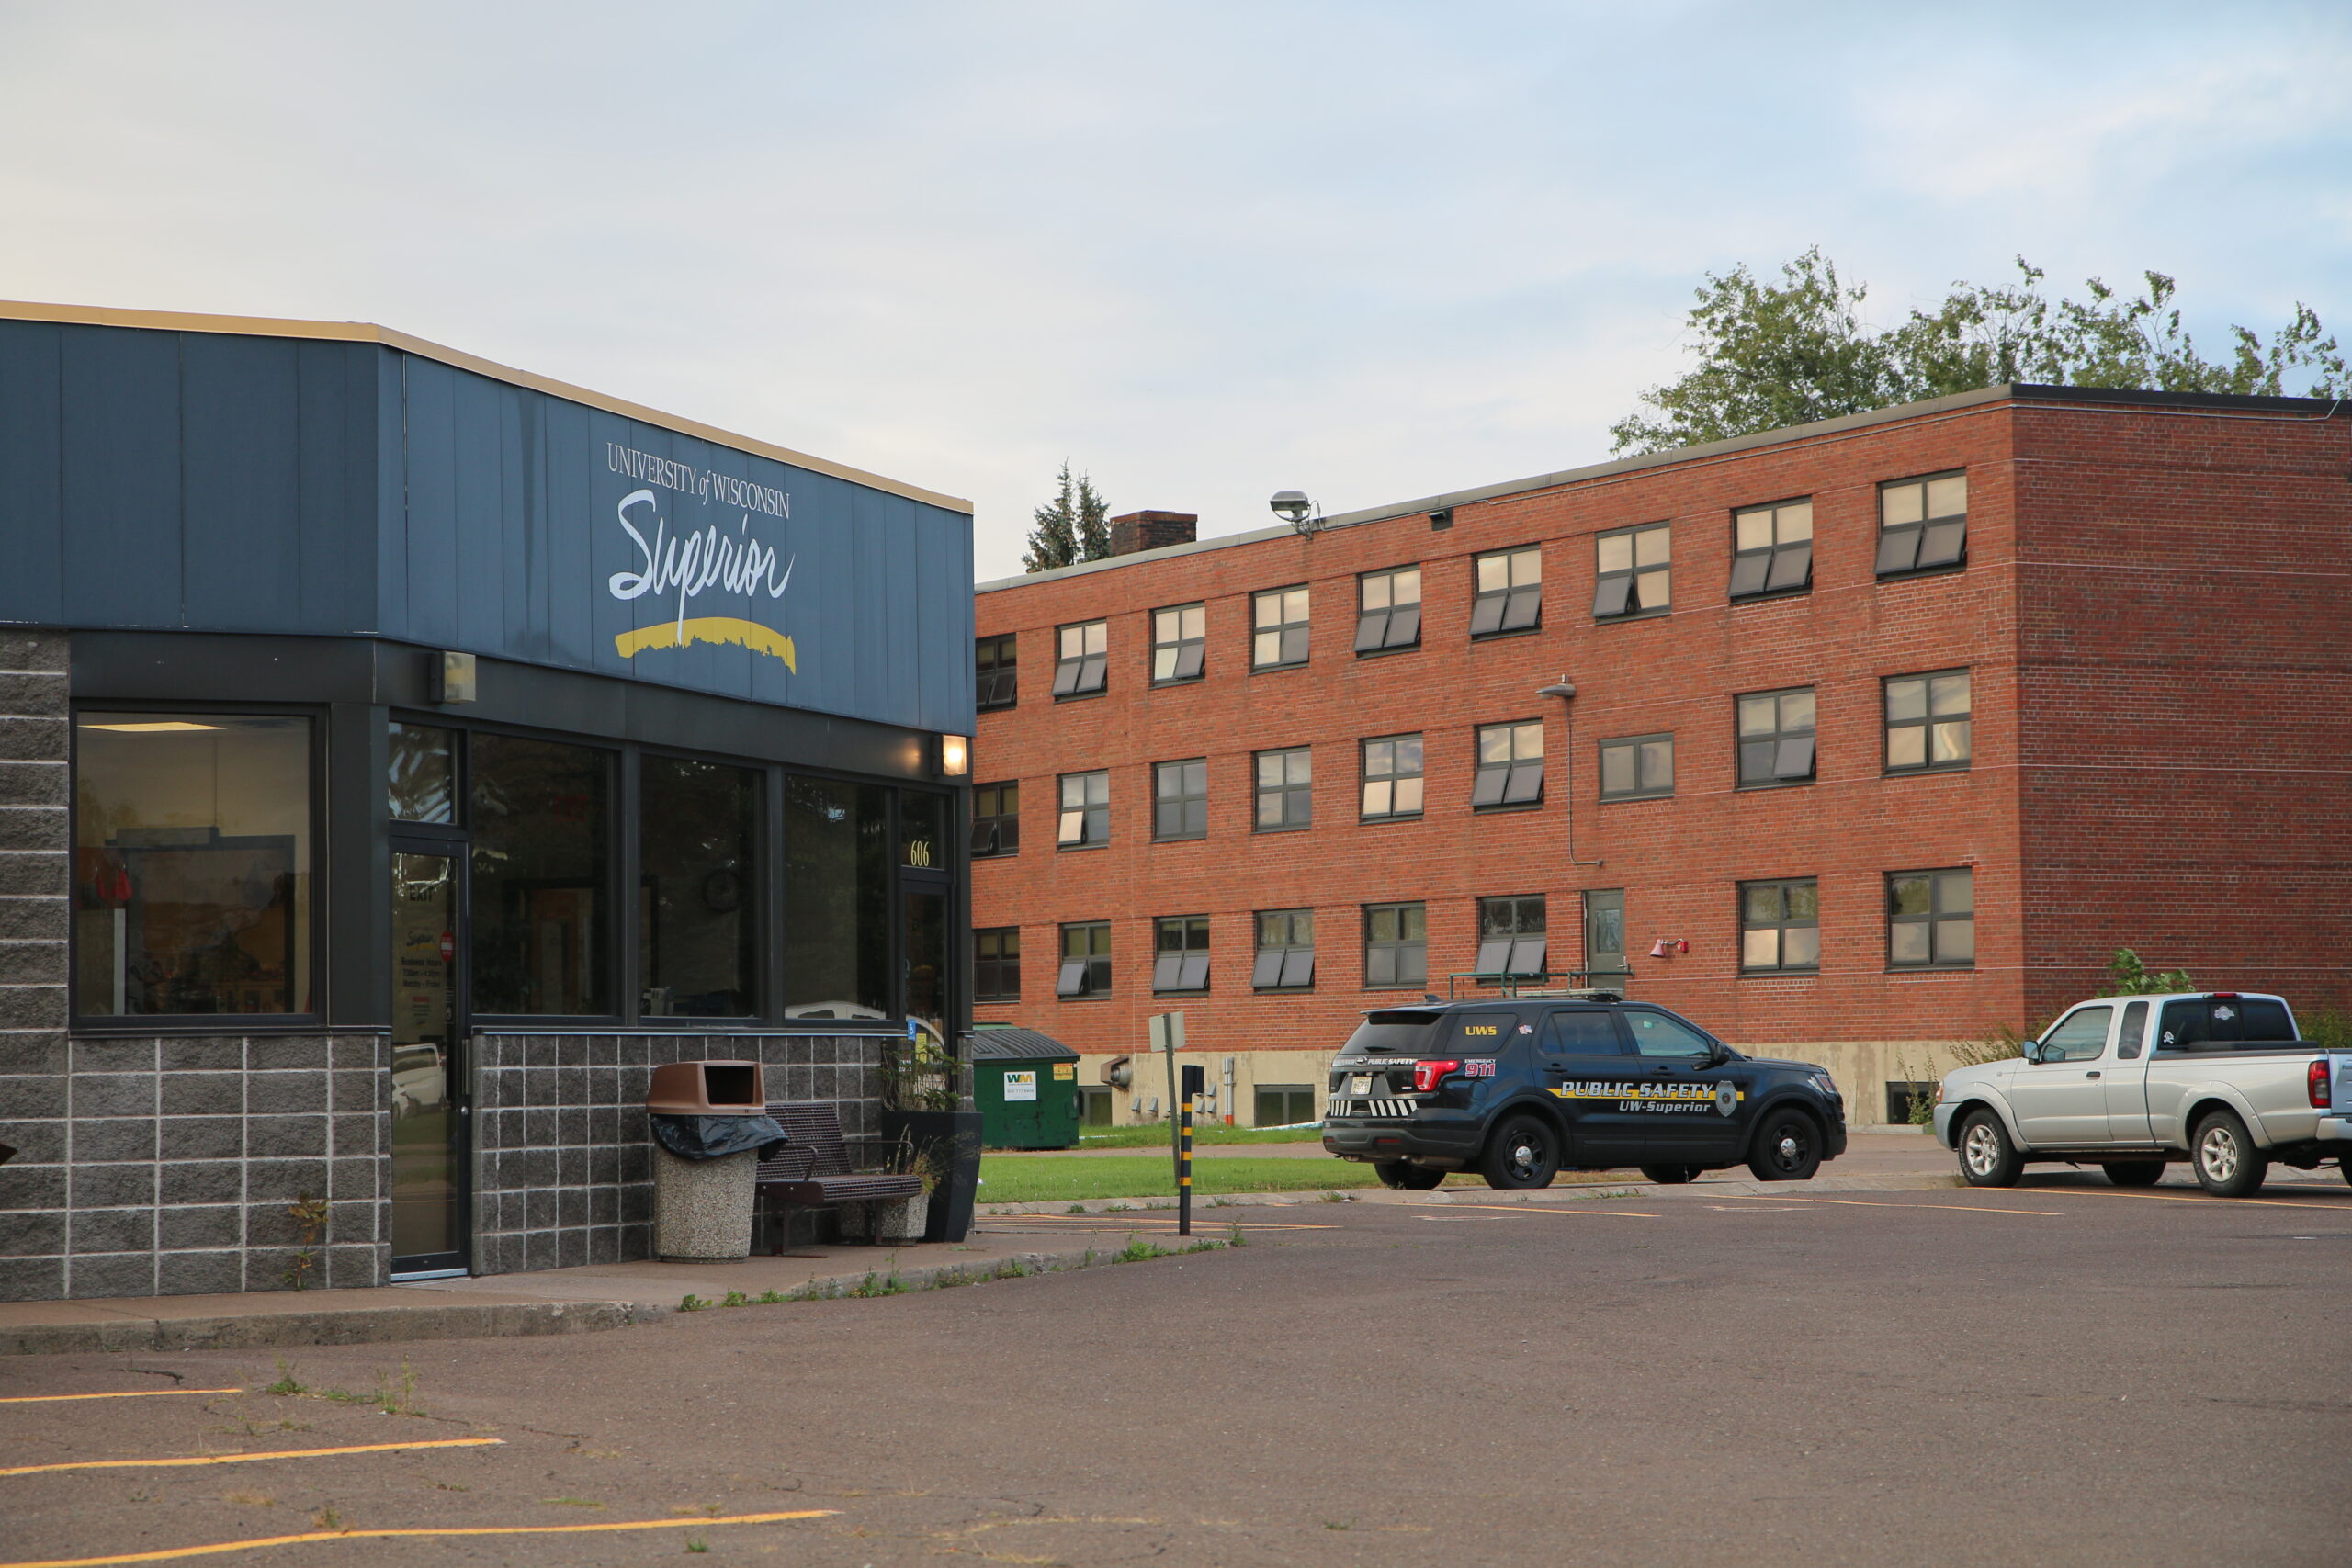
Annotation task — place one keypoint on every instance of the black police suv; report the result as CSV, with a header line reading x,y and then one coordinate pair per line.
x,y
1521,1087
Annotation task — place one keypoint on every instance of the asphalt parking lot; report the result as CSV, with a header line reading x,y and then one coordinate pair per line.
x,y
2056,1374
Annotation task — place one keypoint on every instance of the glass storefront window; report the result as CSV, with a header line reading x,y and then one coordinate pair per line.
x,y
923,831
697,923
191,865
421,782
542,826
837,877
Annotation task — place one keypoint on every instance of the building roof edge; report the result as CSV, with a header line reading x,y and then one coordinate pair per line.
x,y
368,331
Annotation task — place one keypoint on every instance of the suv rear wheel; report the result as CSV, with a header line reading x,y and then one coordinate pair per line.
x,y
1524,1152
1406,1176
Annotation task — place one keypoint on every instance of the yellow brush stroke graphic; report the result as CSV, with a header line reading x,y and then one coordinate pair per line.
x,y
248,1459
213,1549
706,628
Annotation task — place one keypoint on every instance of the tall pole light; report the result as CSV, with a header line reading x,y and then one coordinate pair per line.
x,y
1566,690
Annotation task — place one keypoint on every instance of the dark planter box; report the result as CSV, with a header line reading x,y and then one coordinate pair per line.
x,y
951,1202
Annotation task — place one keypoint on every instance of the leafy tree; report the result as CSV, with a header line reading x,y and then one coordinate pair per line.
x,y
1074,526
1775,354
2133,978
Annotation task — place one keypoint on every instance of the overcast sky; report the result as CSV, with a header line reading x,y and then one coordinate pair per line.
x,y
1206,251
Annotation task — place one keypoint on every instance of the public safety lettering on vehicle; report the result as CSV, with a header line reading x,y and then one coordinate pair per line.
x,y
1668,1100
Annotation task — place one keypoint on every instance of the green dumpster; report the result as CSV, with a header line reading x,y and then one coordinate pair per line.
x,y
1025,1085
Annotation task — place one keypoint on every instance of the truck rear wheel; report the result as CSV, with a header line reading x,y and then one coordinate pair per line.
x,y
2228,1164
2135,1172
1407,1176
1987,1158
1524,1152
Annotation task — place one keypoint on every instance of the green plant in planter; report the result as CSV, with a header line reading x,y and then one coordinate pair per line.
x,y
920,1075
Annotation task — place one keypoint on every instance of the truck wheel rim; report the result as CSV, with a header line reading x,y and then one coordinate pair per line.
x,y
2219,1151
1983,1152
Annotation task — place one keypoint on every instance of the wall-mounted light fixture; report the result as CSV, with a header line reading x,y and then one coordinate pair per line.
x,y
449,677
1293,507
954,756
1566,690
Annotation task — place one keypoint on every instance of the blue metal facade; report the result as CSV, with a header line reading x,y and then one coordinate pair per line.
x,y
177,479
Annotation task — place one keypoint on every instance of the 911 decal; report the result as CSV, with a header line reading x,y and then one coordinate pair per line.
x,y
1478,1068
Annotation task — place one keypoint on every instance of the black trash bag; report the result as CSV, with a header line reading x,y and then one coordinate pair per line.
x,y
711,1138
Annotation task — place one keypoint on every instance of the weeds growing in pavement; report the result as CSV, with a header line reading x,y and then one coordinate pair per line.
x,y
1011,1268
696,1543
326,1520
1235,1236
311,1215
286,1383
694,1302
736,1299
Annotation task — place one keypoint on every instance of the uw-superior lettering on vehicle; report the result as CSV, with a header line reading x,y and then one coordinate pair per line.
x,y
2219,1079
1520,1089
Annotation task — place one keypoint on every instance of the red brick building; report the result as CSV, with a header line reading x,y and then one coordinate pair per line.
x,y
1902,723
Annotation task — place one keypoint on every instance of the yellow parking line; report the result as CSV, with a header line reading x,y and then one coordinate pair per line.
x,y
1859,1204
135,1393
2202,1197
214,1548
248,1459
1546,1209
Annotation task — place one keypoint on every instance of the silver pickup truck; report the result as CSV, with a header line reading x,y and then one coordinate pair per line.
x,y
2133,1083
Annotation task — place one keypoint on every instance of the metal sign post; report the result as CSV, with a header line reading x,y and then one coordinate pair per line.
x,y
1168,1038
1192,1079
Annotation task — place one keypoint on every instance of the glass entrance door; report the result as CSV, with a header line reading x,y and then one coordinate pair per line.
x,y
429,1142
923,944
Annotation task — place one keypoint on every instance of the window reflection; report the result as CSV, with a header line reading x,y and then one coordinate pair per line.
x,y
421,780
191,865
541,833
837,905
697,946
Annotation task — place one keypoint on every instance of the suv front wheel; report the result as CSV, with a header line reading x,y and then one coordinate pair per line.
x,y
1524,1152
1787,1147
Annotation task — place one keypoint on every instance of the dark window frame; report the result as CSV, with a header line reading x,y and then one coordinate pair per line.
x,y
1514,783
1087,673
996,834
321,964
1934,918
1784,741
1094,967
1927,723
1183,969
766,866
1291,792
1399,948
1503,924
1190,650
1092,813
990,969
1513,607
1396,778
1618,592
1638,745
1283,629
1290,962
1933,542
1399,623
1764,564
997,679
1185,800
1783,923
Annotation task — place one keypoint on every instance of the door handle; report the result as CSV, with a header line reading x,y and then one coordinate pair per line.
x,y
2091,1075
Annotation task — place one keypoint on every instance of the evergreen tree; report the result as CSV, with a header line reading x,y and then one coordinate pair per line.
x,y
1074,526
1770,356
1053,541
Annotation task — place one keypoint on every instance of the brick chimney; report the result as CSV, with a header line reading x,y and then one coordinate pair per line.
x,y
1149,530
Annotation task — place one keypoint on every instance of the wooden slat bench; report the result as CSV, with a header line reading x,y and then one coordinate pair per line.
x,y
813,1170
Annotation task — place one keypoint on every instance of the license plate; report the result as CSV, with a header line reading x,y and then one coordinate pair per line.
x,y
1360,1084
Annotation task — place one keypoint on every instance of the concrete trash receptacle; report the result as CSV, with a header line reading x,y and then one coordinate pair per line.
x,y
702,1207
710,1121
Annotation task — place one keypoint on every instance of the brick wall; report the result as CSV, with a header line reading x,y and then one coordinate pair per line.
x,y
1679,859
2186,637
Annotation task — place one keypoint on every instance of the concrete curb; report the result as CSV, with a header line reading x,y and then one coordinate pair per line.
x,y
1580,1193
349,1325
488,1320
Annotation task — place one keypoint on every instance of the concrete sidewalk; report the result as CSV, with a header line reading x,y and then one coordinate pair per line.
x,y
554,1301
